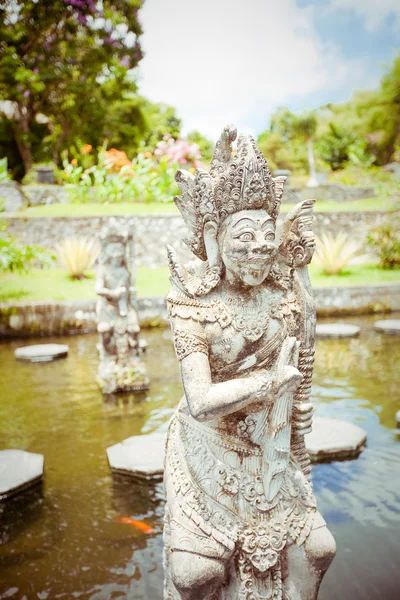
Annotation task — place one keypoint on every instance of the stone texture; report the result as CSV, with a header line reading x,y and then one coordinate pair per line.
x,y
12,197
140,455
41,352
338,192
154,232
19,470
336,330
69,317
29,319
45,194
357,299
390,326
334,439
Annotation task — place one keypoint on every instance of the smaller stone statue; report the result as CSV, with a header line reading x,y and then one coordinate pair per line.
x,y
120,367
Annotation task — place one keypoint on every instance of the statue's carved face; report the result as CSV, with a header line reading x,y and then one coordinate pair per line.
x,y
116,254
246,244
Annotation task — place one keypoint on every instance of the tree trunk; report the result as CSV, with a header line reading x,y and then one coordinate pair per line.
x,y
21,132
312,182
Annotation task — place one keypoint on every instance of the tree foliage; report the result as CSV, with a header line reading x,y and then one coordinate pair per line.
x,y
206,146
363,131
65,59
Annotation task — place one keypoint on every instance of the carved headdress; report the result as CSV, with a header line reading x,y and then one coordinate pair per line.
x,y
239,180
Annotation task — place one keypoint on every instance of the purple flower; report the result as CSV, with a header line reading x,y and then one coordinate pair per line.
x,y
27,94
124,62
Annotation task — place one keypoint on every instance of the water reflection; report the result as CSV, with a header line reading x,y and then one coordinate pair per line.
x,y
68,542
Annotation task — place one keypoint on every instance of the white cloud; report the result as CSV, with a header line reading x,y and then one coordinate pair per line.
x,y
222,61
374,12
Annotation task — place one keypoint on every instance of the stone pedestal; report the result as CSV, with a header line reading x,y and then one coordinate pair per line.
x,y
140,456
19,470
336,330
334,439
390,326
41,352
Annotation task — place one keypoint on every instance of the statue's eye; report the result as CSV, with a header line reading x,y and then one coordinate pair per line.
x,y
270,236
247,236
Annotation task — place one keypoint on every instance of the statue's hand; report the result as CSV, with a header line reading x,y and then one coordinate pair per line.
x,y
118,292
288,380
302,418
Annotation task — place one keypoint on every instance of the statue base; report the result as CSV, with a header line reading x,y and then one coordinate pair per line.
x,y
113,377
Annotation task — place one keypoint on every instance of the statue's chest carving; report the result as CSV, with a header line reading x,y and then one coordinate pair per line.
x,y
116,278
226,345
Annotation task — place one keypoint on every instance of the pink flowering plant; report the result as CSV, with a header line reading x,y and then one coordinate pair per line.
x,y
114,178
181,152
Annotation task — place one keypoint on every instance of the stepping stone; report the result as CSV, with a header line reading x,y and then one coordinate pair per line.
x,y
41,352
334,439
19,470
336,330
398,418
140,455
390,326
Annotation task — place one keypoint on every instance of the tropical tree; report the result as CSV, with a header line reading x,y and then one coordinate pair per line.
x,y
297,128
304,127
62,60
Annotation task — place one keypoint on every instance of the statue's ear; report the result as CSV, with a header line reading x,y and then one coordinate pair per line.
x,y
211,243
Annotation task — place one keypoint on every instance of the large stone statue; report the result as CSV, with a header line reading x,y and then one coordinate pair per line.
x,y
241,519
120,367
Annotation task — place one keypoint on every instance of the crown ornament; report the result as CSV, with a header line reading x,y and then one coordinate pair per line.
x,y
238,180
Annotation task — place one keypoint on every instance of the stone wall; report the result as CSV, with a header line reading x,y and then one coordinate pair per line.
x,y
30,319
59,318
35,195
45,194
154,232
337,192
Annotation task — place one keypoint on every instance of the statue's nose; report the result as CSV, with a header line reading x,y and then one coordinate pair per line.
x,y
264,248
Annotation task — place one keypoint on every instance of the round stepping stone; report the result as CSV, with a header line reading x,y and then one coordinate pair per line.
x,y
41,352
334,439
390,326
336,330
140,455
19,470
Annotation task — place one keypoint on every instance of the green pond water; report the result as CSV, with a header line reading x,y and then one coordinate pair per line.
x,y
65,539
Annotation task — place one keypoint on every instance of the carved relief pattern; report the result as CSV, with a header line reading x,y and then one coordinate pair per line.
x,y
186,343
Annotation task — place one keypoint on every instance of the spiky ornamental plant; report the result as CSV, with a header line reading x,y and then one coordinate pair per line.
x,y
77,255
334,253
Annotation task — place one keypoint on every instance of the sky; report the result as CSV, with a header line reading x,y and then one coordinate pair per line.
x,y
236,61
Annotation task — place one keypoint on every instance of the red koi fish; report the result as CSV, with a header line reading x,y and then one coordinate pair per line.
x,y
138,524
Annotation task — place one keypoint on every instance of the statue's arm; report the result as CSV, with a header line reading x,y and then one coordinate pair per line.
x,y
207,400
106,292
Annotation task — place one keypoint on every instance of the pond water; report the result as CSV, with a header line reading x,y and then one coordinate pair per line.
x,y
66,540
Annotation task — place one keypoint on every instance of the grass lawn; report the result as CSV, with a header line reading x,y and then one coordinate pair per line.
x,y
363,274
131,208
98,210
54,284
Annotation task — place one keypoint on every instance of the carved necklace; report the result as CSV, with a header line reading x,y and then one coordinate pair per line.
x,y
250,317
